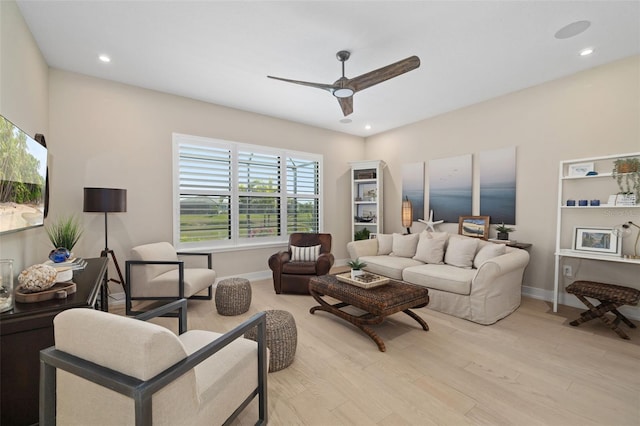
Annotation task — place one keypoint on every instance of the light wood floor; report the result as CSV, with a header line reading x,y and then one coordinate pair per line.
x,y
530,368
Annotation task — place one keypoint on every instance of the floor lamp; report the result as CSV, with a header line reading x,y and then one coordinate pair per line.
x,y
407,214
107,200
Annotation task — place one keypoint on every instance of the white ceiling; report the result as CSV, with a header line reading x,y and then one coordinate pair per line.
x,y
222,51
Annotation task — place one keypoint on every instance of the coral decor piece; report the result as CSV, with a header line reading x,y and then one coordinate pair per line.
x,y
37,278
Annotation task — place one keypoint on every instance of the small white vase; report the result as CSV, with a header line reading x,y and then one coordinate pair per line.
x,y
356,273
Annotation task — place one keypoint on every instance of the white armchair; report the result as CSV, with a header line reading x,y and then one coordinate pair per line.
x,y
155,272
107,369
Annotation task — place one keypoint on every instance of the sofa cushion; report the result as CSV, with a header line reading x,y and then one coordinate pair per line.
x,y
431,247
488,251
447,278
461,251
404,245
385,243
389,266
305,254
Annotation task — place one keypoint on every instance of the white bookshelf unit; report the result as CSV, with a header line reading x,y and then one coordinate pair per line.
x,y
597,187
366,196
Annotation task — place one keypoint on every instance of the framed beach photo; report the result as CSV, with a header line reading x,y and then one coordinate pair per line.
x,y
596,240
580,169
474,226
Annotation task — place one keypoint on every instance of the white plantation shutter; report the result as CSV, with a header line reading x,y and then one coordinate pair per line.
x,y
229,193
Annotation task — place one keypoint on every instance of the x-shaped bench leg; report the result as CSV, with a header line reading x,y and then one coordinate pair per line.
x,y
599,312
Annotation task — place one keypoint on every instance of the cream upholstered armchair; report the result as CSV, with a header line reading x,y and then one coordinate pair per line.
x,y
108,369
155,272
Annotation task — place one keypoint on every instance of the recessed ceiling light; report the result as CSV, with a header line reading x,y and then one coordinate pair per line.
x,y
368,127
346,121
586,52
572,30
104,58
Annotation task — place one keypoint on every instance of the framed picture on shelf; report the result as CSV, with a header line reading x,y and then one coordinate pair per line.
x,y
474,226
580,169
596,240
373,236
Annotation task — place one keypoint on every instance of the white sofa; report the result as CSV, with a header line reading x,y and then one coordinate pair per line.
x,y
467,277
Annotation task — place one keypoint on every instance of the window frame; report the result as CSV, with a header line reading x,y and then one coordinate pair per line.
x,y
235,241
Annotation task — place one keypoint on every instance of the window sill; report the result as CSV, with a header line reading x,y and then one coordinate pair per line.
x,y
242,247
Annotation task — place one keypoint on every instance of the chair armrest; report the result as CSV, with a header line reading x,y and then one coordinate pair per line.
x,y
141,391
180,264
176,305
324,263
277,259
208,255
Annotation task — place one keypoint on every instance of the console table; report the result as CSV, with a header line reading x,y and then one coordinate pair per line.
x,y
27,329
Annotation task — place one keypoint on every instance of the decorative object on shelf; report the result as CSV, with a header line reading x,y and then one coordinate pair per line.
x,y
474,226
583,203
37,278
580,169
596,240
624,231
365,219
6,285
503,231
362,234
594,203
64,233
59,255
571,203
626,172
407,214
431,223
592,173
107,200
626,200
356,267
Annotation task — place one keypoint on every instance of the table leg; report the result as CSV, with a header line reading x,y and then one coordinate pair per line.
x,y
416,317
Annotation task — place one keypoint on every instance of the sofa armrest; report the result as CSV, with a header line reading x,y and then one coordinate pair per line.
x,y
362,248
508,264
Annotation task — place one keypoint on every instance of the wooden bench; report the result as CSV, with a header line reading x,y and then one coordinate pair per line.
x,y
611,297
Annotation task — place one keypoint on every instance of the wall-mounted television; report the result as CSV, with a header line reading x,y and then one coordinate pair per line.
x,y
23,179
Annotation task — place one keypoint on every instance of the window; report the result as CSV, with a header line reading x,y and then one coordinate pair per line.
x,y
229,194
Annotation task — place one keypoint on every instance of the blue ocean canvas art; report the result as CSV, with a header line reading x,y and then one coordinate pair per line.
x,y
498,185
450,188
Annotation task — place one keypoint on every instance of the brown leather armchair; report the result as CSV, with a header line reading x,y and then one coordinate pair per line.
x,y
293,277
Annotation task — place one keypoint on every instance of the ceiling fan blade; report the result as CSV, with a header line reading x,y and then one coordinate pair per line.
x,y
346,104
328,87
385,73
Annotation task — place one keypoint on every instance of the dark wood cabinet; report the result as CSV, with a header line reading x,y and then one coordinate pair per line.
x,y
27,329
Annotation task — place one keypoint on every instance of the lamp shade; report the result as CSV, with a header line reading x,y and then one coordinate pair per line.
x,y
105,200
407,213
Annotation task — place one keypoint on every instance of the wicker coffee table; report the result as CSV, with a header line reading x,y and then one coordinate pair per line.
x,y
377,303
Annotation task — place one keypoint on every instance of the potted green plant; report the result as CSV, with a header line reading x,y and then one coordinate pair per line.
x,y
503,231
64,233
626,172
356,267
363,234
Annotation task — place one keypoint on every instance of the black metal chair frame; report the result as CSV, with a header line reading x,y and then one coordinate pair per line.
x,y
142,391
180,264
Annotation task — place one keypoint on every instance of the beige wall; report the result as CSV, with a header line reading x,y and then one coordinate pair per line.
x,y
24,91
112,135
592,113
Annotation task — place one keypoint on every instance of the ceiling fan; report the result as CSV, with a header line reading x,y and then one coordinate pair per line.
x,y
344,88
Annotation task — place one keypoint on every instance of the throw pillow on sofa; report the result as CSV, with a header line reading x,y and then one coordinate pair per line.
x,y
404,245
385,243
488,251
431,247
461,251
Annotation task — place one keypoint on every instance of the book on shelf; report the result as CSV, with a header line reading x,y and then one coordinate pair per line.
x,y
77,263
495,240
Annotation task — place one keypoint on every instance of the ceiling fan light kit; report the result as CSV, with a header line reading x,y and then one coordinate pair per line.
x,y
344,88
